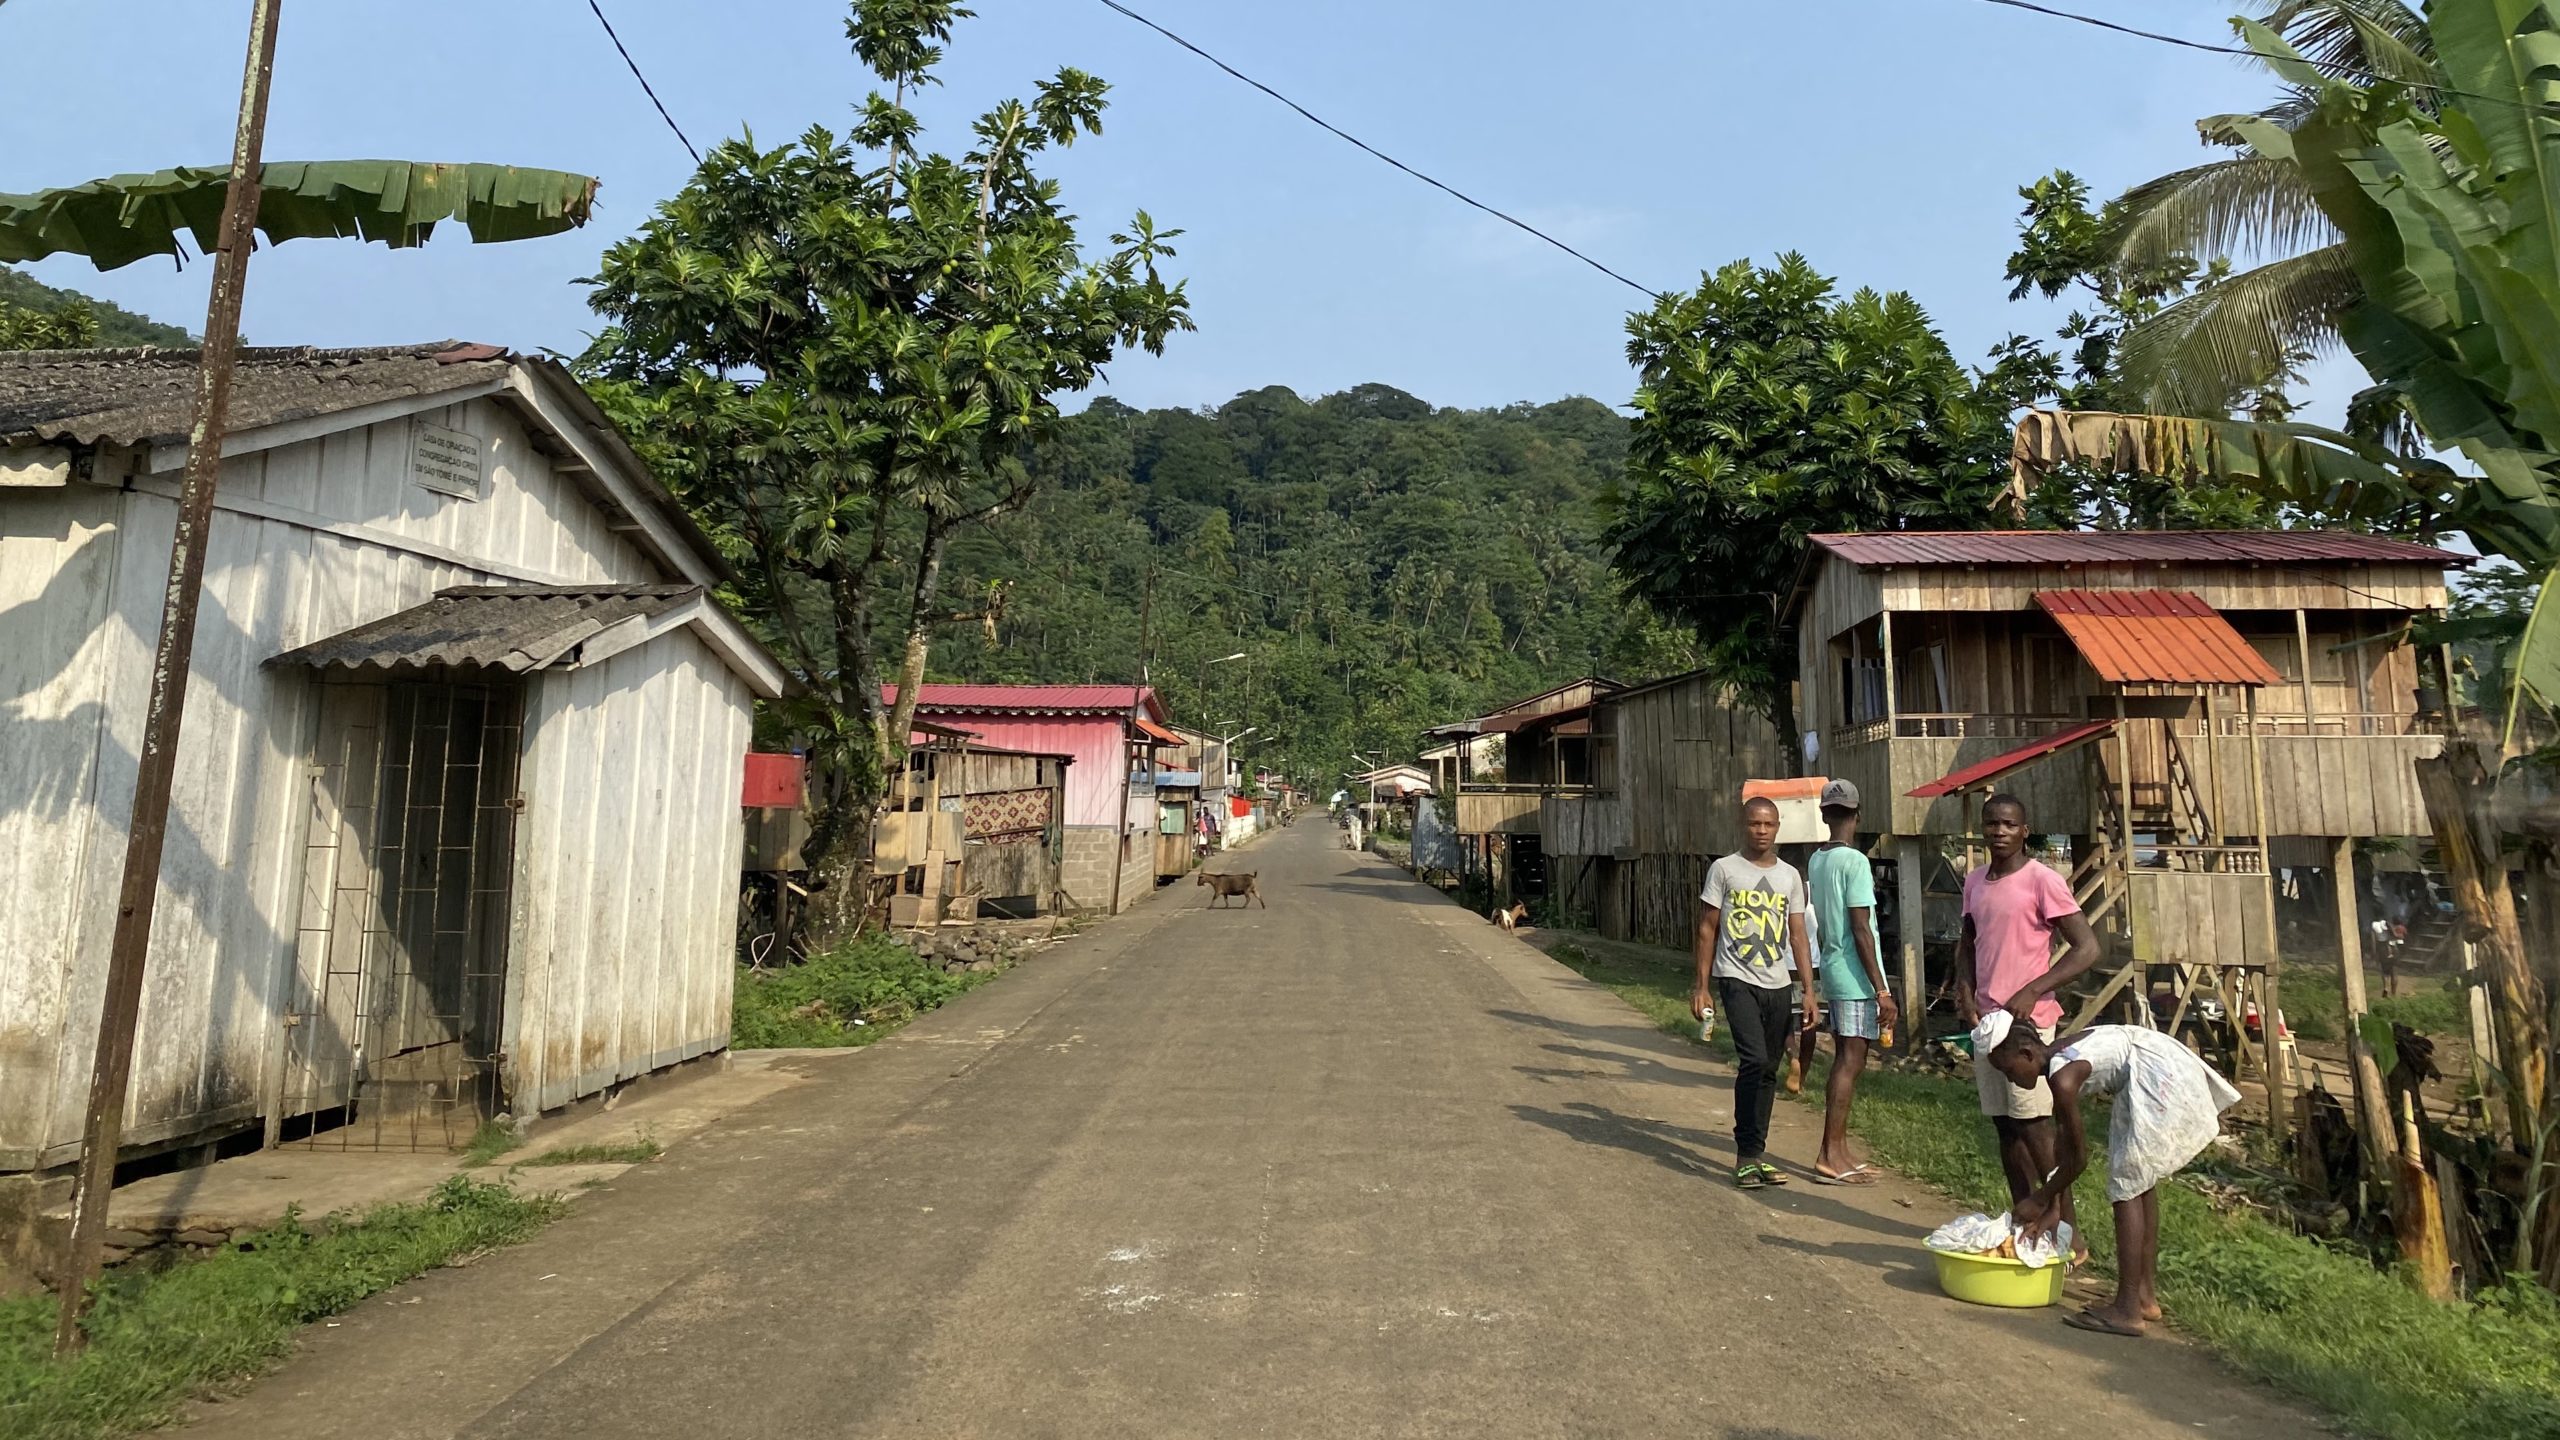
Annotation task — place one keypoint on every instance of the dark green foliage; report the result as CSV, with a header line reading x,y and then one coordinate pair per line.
x,y
1384,566
157,1338
26,307
1770,410
853,994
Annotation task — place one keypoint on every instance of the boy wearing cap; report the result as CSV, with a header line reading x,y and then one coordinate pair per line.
x,y
1852,974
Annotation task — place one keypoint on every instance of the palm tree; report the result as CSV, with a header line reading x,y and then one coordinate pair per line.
x,y
2202,354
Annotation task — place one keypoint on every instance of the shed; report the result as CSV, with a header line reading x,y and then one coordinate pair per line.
x,y
455,828
1111,734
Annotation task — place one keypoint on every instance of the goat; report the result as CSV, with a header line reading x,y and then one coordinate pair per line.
x,y
1510,919
1224,887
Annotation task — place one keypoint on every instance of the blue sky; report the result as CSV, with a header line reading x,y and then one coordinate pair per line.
x,y
1883,138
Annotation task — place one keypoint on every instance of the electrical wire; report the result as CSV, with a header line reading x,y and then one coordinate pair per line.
x,y
646,88
1338,132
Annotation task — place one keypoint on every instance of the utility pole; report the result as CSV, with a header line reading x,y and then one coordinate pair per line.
x,y
1146,624
111,1073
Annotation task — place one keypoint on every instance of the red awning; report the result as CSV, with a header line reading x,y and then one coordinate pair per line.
x,y
2155,637
1158,733
1983,772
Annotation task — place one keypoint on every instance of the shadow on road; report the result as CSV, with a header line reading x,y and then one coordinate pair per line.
x,y
1904,1267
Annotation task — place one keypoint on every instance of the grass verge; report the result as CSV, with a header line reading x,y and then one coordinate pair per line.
x,y
2322,1323
855,994
2314,1003
636,1151
158,1338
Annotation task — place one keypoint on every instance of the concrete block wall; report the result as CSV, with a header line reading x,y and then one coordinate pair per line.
x,y
1092,851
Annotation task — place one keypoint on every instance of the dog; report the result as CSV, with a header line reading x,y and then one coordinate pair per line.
x,y
1226,886
1510,919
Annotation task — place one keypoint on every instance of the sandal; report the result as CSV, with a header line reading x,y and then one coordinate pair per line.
x,y
1748,1176
2095,1324
1771,1174
1854,1175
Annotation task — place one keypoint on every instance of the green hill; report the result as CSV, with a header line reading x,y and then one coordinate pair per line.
x,y
116,326
1383,565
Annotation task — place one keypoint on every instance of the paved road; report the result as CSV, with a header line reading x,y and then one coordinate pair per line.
x,y
1353,1165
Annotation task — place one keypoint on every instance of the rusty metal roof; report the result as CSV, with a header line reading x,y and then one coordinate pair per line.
x,y
1983,772
147,396
2132,547
505,627
2155,637
1027,699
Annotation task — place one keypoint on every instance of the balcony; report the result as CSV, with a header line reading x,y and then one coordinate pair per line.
x,y
1517,809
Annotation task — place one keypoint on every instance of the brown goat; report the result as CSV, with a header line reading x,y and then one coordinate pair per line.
x,y
1225,887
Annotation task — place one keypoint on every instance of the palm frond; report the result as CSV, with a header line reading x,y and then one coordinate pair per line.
x,y
2202,354
2248,206
2359,40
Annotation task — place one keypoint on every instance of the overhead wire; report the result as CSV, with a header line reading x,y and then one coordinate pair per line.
x,y
1339,133
646,88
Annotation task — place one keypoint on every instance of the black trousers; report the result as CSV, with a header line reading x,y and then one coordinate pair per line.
x,y
1762,1023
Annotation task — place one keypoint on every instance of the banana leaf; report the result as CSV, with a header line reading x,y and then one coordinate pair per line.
x,y
2537,659
124,218
2305,466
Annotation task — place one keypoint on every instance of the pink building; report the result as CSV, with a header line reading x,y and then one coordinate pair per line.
x,y
1111,733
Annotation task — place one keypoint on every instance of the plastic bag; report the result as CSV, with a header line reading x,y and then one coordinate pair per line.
x,y
1997,1235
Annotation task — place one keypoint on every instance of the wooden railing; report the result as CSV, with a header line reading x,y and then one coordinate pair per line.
x,y
1950,726
2372,725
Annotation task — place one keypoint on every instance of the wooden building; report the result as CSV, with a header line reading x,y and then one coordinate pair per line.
x,y
971,826
456,825
2194,708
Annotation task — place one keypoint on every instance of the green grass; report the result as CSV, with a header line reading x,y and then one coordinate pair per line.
x,y
493,1139
2321,1322
2314,1002
852,995
157,1338
636,1151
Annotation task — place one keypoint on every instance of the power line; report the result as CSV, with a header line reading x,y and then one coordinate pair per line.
x,y
650,90
1321,123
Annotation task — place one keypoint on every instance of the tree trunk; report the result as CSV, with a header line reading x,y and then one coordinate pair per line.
x,y
902,714
2417,1212
2457,787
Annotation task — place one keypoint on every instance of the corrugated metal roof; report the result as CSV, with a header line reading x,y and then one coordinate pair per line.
x,y
505,627
1027,699
2155,637
1983,772
2131,547
147,396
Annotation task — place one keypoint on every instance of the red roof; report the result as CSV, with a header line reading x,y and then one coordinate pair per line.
x,y
2155,637
1983,772
1026,699
2132,547
1158,733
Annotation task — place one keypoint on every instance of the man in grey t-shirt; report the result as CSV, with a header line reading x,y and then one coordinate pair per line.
x,y
1751,946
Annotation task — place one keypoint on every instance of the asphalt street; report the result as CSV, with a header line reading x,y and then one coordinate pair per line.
x,y
1357,1164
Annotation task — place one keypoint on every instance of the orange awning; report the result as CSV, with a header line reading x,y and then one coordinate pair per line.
x,y
2155,637
1158,733
1983,772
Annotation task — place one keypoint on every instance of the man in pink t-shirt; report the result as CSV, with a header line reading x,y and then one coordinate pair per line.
x,y
2012,909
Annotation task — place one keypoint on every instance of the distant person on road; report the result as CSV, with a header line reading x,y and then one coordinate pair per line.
x,y
1750,949
2167,1107
2013,908
1851,974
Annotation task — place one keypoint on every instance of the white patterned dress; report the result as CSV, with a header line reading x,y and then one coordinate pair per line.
x,y
2168,1103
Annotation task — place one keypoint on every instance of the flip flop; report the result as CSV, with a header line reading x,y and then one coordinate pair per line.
x,y
1854,1175
1773,1175
1748,1176
2089,1320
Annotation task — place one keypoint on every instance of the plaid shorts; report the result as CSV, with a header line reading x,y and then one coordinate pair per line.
x,y
1856,1019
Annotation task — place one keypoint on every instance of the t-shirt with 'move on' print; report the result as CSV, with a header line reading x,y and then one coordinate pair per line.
x,y
1755,901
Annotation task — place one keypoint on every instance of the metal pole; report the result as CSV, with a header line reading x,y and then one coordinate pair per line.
x,y
112,1071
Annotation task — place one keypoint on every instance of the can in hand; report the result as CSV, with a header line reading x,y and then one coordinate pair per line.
x,y
1707,1025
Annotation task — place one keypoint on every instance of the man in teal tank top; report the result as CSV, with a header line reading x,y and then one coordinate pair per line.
x,y
1852,971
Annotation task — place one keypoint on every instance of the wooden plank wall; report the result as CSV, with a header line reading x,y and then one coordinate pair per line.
x,y
2199,918
625,912
2360,587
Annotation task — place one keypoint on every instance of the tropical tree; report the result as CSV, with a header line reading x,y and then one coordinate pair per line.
x,y
2286,278
1771,410
23,327
838,349
2446,199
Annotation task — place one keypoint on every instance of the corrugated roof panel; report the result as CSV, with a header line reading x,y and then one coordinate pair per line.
x,y
2131,547
147,396
1983,772
1030,699
2155,637
504,627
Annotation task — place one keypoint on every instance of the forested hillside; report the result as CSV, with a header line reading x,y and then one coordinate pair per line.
x,y
117,326
1382,565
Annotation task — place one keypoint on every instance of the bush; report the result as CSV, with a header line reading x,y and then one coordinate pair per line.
x,y
851,995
